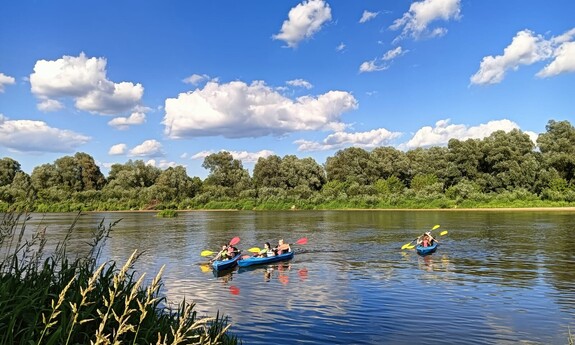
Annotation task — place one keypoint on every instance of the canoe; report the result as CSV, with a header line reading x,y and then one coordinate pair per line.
x,y
250,261
220,265
421,250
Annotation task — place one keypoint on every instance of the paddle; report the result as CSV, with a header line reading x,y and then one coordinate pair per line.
x,y
302,240
407,245
233,242
443,233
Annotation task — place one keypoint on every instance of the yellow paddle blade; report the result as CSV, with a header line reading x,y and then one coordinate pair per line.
x,y
205,268
206,253
254,250
405,246
443,233
435,227
411,246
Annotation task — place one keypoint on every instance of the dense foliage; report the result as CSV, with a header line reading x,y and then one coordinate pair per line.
x,y
61,301
503,169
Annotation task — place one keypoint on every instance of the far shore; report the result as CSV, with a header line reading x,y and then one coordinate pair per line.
x,y
522,209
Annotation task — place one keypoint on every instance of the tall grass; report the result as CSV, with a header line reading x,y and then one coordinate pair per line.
x,y
62,301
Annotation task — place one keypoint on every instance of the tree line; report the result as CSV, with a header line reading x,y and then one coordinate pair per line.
x,y
503,169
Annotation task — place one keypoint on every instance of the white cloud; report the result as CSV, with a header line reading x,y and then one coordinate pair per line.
x,y
372,66
122,123
564,61
118,149
367,16
304,20
37,136
195,79
162,164
370,139
384,62
5,80
236,110
244,156
300,83
526,48
444,131
415,23
84,80
149,148
340,47
50,105
393,53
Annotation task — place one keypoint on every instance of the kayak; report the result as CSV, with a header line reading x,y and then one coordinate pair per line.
x,y
250,261
421,250
220,265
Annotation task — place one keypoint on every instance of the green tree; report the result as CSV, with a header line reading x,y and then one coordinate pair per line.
x,y
45,176
352,164
133,174
92,177
227,175
464,160
389,161
267,173
8,170
510,160
175,184
557,146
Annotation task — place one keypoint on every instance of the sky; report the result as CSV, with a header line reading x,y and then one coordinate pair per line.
x,y
170,82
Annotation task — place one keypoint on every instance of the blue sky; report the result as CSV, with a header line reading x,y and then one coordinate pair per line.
x,y
169,82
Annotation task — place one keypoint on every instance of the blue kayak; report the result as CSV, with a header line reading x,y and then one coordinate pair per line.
x,y
250,261
220,265
421,250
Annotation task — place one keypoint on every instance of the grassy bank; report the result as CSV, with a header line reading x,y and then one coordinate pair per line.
x,y
56,300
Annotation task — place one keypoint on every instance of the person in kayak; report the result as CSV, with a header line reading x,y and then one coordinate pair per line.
x,y
266,252
227,252
282,247
426,240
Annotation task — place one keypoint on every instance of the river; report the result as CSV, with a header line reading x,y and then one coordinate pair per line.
x,y
498,277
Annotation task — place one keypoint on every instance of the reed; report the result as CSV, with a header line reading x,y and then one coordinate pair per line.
x,y
62,301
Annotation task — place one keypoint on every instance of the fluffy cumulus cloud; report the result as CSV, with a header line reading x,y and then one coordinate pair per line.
x,y
5,80
244,156
444,131
370,139
304,20
527,48
563,56
367,16
122,123
149,148
417,21
236,109
37,137
84,80
118,149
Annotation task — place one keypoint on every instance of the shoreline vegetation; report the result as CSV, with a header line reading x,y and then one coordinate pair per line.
x,y
503,170
57,300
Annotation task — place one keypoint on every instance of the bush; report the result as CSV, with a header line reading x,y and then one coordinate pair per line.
x,y
57,301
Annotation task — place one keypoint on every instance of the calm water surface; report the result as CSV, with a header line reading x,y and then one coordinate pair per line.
x,y
498,277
